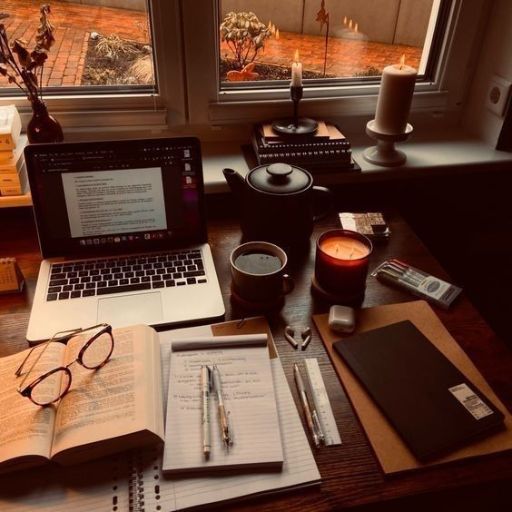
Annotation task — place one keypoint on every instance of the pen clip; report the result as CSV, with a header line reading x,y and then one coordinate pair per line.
x,y
318,427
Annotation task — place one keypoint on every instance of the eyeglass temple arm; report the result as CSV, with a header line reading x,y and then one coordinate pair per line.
x,y
70,333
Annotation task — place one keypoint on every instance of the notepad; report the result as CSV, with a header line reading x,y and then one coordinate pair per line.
x,y
249,398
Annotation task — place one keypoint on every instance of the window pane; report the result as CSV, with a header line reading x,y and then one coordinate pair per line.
x,y
97,42
336,39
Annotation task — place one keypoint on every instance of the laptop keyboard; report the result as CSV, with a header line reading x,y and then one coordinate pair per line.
x,y
125,274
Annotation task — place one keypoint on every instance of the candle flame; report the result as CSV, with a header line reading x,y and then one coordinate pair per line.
x,y
356,28
402,61
296,56
277,33
344,20
350,24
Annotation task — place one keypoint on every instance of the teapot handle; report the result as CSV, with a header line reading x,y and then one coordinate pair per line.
x,y
323,200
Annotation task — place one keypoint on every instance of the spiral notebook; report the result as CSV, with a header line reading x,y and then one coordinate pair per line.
x,y
134,482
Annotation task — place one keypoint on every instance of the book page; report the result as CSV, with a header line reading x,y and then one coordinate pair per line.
x,y
26,428
120,398
249,399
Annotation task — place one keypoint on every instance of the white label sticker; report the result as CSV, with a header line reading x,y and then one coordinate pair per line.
x,y
470,401
433,287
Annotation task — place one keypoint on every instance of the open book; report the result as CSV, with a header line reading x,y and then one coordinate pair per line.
x,y
133,481
114,408
247,389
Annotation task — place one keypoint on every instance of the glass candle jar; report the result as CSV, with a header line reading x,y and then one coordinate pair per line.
x,y
341,265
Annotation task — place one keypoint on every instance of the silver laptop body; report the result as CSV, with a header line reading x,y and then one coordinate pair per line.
x,y
122,230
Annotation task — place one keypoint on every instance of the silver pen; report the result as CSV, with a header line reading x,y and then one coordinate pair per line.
x,y
223,417
205,403
311,417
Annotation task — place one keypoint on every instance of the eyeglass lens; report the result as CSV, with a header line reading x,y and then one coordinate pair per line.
x,y
97,352
52,387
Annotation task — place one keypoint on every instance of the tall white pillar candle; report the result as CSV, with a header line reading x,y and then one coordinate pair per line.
x,y
395,97
296,71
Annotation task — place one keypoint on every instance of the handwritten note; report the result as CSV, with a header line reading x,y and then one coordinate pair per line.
x,y
249,397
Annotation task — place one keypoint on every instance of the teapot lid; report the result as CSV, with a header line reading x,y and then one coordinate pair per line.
x,y
279,178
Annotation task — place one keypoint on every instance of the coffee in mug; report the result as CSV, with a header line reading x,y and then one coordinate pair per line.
x,y
258,273
258,262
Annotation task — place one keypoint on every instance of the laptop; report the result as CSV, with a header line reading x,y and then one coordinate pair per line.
x,y
122,231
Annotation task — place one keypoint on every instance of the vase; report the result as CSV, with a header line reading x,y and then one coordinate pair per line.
x,y
43,127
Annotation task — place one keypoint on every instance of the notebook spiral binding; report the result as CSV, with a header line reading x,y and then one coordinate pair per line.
x,y
136,483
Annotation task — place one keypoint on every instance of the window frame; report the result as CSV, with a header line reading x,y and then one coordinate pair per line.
x,y
207,104
111,110
186,50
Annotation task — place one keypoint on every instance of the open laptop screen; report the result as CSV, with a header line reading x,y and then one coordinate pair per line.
x,y
100,198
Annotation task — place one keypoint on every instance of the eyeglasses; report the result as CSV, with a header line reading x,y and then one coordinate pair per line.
x,y
55,383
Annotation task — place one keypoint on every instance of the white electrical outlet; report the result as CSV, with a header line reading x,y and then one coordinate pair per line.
x,y
498,94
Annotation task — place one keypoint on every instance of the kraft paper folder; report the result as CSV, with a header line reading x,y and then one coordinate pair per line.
x,y
392,453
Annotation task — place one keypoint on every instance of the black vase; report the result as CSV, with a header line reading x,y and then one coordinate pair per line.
x,y
43,127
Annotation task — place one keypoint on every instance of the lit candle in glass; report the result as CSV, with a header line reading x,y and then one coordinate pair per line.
x,y
296,71
395,98
341,264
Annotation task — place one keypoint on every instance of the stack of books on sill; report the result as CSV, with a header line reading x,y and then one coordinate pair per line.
x,y
13,175
326,150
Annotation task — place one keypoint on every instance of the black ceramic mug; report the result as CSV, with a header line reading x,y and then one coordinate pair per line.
x,y
258,273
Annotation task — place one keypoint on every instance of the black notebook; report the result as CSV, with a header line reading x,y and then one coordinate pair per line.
x,y
430,403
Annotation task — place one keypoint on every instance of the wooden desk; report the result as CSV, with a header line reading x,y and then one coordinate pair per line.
x,y
350,473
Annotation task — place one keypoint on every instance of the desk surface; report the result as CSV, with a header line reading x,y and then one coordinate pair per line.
x,y
350,473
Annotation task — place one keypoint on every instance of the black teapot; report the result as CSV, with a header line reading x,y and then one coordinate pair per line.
x,y
278,203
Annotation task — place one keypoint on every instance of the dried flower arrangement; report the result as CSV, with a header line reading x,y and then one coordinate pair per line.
x,y
26,69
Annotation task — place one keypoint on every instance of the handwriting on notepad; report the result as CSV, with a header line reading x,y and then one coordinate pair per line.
x,y
248,398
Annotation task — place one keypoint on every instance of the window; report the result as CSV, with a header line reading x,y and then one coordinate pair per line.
x,y
114,63
98,45
187,85
444,47
333,40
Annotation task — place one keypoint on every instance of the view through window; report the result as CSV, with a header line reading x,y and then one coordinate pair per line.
x,y
336,39
98,43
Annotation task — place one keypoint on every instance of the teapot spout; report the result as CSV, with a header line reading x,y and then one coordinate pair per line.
x,y
235,181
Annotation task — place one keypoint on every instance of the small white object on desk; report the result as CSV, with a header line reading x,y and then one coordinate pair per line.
x,y
342,319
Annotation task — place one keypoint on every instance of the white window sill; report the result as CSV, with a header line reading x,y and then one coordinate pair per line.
x,y
442,157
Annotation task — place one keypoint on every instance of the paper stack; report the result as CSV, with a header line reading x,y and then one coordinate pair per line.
x,y
13,175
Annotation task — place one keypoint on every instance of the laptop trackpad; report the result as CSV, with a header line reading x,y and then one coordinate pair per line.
x,y
140,308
